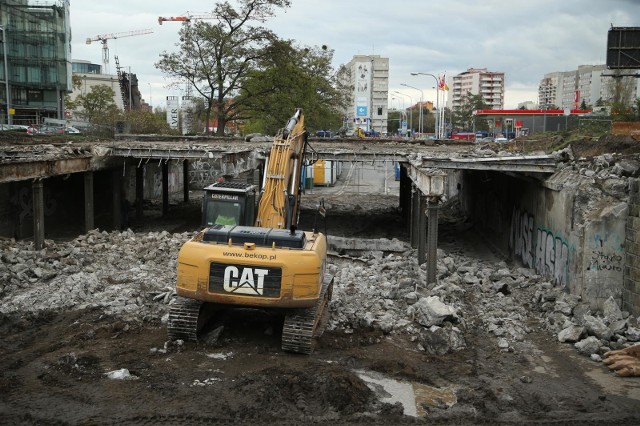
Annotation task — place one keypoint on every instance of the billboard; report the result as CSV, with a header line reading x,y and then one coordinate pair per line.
x,y
623,48
363,91
172,111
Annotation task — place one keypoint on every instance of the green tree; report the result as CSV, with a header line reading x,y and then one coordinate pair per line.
x,y
147,122
213,58
97,106
289,78
463,117
76,84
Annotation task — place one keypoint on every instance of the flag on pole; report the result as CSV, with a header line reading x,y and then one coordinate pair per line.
x,y
442,85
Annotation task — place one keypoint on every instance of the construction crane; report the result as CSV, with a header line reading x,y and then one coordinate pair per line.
x,y
187,17
102,38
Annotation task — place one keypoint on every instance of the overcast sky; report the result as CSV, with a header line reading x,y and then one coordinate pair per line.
x,y
525,39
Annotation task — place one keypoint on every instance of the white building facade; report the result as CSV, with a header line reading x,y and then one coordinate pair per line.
x,y
368,106
477,81
590,84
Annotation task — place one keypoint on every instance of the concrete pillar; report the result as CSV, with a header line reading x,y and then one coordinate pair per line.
x,y
165,188
37,189
89,221
116,197
432,242
415,217
405,198
185,180
422,230
139,192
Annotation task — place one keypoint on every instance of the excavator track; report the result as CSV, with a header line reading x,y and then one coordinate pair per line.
x,y
183,319
301,326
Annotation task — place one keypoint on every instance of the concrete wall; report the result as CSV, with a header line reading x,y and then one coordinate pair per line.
x,y
631,287
564,229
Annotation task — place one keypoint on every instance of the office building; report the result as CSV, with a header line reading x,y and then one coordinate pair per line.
x,y
37,47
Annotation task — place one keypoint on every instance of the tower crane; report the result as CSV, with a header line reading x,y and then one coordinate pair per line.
x,y
187,17
102,38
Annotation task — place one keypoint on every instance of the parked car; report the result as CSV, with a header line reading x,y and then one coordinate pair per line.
x,y
13,128
70,130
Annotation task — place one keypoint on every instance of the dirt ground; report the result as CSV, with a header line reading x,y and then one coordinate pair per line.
x,y
53,372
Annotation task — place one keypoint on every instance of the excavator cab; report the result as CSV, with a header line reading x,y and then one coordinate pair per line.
x,y
229,203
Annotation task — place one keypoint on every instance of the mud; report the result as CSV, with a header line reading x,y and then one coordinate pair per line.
x,y
53,372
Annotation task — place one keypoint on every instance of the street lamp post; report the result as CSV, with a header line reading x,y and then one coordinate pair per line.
x,y
411,115
6,74
437,121
421,101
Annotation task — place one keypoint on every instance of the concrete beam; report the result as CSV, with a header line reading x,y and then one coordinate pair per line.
x,y
530,163
41,169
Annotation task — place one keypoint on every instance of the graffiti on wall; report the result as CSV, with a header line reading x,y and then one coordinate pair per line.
x,y
202,173
601,261
521,241
539,248
605,258
23,201
552,256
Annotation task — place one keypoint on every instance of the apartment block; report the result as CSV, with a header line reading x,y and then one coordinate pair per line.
x,y
477,81
369,80
589,83
37,46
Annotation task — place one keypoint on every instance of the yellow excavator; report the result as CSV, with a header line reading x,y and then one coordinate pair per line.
x,y
250,253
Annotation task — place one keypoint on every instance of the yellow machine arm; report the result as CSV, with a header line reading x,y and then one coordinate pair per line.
x,y
279,202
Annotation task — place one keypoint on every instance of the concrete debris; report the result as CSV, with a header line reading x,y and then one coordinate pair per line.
x,y
588,346
429,311
571,334
122,374
131,277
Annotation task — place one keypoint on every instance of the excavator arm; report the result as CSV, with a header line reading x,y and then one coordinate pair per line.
x,y
280,198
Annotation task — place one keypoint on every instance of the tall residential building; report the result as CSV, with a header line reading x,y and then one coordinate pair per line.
x,y
368,106
37,45
549,91
589,83
477,81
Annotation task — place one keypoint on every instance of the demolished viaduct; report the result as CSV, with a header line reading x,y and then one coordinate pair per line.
x,y
574,221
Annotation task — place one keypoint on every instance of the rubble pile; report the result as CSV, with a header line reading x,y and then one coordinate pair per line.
x,y
592,333
119,272
131,276
390,294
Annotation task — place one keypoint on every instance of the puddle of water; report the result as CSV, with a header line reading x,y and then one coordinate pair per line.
x,y
411,395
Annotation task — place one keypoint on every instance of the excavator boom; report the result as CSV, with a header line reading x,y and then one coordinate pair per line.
x,y
279,202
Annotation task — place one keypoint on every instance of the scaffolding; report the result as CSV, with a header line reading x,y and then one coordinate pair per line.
x,y
38,55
